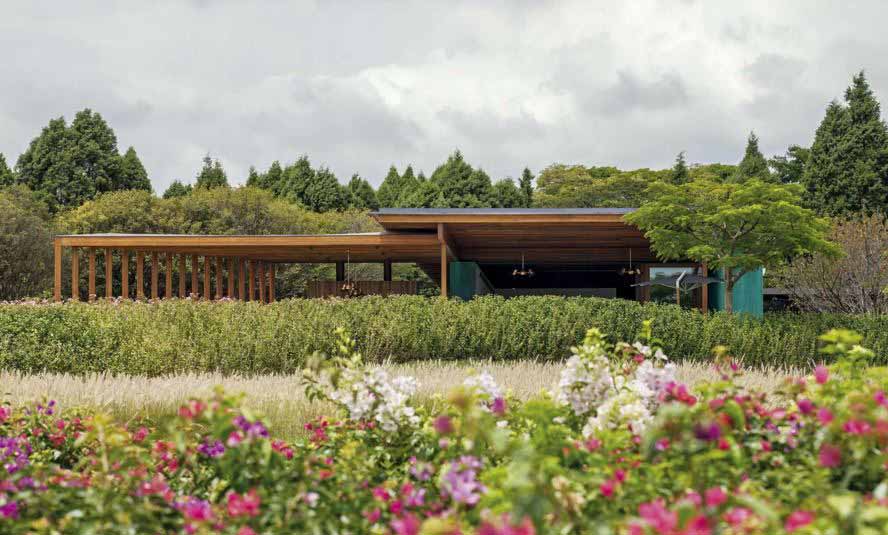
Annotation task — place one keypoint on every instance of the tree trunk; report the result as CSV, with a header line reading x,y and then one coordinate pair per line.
x,y
729,291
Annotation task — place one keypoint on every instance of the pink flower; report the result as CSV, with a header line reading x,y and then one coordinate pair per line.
x,y
408,525
246,530
498,406
798,519
507,528
607,488
373,516
821,374
879,398
593,444
737,516
443,425
830,456
658,517
856,427
825,416
806,406
9,510
245,505
715,497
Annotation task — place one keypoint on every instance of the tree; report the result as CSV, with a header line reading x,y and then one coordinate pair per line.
x,y
361,194
505,194
176,189
325,193
295,180
7,178
426,195
847,170
735,227
408,183
132,174
390,189
680,173
790,168
211,175
753,164
562,186
525,184
461,185
26,255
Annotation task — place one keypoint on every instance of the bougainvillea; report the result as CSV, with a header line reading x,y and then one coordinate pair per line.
x,y
620,447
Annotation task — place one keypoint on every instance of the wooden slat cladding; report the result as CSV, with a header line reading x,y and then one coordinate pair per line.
x,y
335,288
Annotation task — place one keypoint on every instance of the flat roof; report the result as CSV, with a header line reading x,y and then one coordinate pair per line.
x,y
503,211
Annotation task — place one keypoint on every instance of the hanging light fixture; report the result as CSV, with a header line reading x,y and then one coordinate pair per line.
x,y
631,270
349,288
524,272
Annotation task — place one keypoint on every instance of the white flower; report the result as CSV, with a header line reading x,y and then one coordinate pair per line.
x,y
371,395
485,385
584,384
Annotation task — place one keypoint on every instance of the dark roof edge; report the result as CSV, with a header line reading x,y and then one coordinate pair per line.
x,y
503,211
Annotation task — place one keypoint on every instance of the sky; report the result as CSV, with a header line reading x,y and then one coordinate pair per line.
x,y
359,86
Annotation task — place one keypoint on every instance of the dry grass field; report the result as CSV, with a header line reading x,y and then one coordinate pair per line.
x,y
280,397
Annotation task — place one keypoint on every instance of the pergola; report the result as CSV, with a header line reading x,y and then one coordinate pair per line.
x,y
243,267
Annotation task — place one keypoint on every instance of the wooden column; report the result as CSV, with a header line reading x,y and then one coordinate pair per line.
x,y
208,291
262,282
387,270
140,275
704,296
182,283
57,267
271,296
340,271
109,273
241,279
168,282
75,274
251,276
91,296
231,277
195,268
218,278
155,272
124,273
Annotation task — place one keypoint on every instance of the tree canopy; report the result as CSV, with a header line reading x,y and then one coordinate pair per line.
x,y
461,185
733,226
176,189
25,244
211,175
753,164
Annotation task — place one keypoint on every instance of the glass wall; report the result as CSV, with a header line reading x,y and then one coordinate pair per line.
x,y
663,294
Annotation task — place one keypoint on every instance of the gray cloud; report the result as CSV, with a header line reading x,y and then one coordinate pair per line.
x,y
359,86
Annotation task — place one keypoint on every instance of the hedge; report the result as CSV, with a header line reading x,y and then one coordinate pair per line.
x,y
247,338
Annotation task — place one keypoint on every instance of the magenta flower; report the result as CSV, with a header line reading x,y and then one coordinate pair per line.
x,y
715,497
879,397
9,510
461,483
707,432
443,425
408,525
244,505
856,427
737,516
197,510
607,488
806,406
656,515
830,456
821,374
798,519
825,416
498,406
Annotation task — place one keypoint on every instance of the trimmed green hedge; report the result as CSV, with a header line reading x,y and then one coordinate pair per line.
x,y
234,337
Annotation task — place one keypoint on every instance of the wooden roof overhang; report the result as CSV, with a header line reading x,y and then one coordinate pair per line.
x,y
368,247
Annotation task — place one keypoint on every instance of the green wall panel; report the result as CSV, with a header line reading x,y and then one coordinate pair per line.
x,y
748,294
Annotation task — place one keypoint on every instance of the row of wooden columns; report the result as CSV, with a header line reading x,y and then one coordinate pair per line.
x,y
244,277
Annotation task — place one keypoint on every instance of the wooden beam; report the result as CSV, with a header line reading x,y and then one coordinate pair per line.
x,y
124,273
218,278
387,270
195,269
168,282
445,238
262,282
182,284
231,278
271,292
91,284
109,273
155,272
140,275
251,275
57,267
75,274
208,291
241,280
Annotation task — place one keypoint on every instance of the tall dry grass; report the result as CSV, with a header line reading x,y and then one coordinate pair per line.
x,y
280,397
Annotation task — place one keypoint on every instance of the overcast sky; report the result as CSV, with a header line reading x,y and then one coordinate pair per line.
x,y
361,85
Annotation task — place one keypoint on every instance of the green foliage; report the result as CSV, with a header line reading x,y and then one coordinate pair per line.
x,y
753,164
211,175
462,185
505,194
390,189
847,170
563,186
25,244
790,168
736,227
525,184
361,194
325,193
132,174
69,165
176,336
680,173
426,195
7,178
177,189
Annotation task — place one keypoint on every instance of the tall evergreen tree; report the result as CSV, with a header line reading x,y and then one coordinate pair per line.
x,y
176,189
132,174
211,175
525,184
847,170
680,173
790,168
753,164
295,180
390,189
253,177
362,194
426,195
325,193
7,178
505,194
408,183
462,185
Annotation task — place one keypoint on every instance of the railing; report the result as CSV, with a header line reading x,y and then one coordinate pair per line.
x,y
358,288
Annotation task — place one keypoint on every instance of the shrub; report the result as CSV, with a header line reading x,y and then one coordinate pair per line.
x,y
717,460
235,337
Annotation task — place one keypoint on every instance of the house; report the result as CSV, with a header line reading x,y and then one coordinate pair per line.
x,y
466,251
